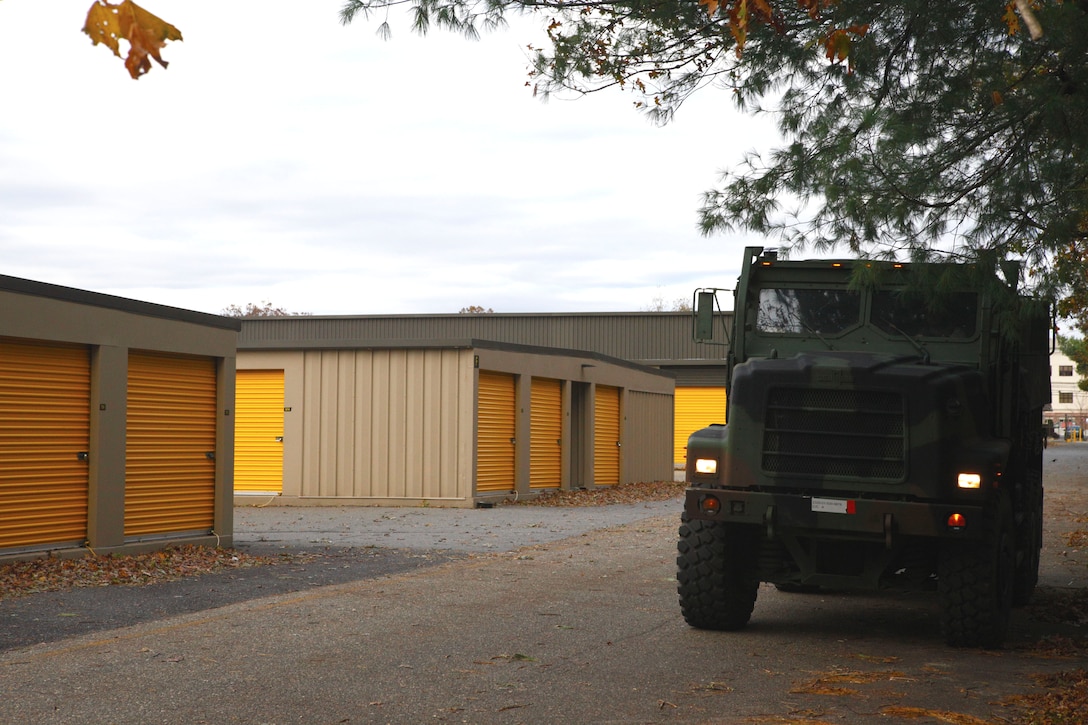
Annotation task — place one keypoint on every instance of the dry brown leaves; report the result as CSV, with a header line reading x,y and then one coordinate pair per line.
x,y
48,574
1063,697
622,493
1063,700
1060,605
943,716
831,683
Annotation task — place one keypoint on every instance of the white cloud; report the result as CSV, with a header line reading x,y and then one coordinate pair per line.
x,y
285,157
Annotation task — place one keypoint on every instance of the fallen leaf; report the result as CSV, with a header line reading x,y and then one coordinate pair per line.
x,y
146,33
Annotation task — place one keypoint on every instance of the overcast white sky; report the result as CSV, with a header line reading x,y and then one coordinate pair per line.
x,y
284,157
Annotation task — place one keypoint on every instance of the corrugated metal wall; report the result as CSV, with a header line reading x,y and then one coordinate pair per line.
x,y
44,425
647,419
546,444
606,436
710,376
170,444
634,336
258,431
387,423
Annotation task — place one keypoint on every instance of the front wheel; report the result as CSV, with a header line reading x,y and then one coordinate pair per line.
x,y
975,586
716,577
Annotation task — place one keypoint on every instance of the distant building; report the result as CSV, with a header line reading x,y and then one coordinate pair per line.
x,y
642,371
1068,404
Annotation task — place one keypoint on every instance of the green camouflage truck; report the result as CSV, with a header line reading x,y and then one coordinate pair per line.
x,y
884,431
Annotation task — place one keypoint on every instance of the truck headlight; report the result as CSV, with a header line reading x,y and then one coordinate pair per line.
x,y
969,480
706,465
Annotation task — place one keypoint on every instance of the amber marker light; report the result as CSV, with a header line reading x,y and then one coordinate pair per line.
x,y
956,521
710,505
969,480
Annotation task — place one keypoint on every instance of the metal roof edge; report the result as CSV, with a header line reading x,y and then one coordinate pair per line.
x,y
567,352
355,344
710,362
458,343
456,315
34,288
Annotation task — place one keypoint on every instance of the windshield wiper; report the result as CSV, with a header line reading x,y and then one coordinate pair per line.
x,y
917,345
812,330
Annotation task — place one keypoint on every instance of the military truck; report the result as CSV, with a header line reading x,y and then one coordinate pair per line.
x,y
883,432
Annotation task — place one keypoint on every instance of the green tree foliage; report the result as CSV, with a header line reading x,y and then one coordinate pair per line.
x,y
475,310
911,129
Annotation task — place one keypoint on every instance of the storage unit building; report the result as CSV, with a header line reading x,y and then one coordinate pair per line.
x,y
115,425
661,340
445,423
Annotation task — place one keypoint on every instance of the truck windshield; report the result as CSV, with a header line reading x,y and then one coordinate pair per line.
x,y
954,316
797,310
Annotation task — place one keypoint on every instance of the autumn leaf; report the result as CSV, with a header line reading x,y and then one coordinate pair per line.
x,y
1011,19
711,6
838,43
146,34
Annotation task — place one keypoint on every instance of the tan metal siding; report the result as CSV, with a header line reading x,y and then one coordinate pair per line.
x,y
496,426
696,408
546,433
44,425
606,436
170,430
387,424
647,450
258,431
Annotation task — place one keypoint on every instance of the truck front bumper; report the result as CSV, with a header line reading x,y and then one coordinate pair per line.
x,y
836,515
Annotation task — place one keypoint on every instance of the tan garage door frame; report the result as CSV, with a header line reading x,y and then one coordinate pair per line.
x,y
170,437
546,433
258,432
44,438
496,427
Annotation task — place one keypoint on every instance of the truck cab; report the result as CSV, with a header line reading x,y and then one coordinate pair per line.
x,y
884,422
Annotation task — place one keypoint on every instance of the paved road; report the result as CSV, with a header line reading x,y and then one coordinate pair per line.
x,y
580,629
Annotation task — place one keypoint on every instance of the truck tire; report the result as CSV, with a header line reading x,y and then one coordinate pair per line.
x,y
1029,542
975,586
716,577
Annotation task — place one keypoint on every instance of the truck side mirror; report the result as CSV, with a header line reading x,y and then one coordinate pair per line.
x,y
704,315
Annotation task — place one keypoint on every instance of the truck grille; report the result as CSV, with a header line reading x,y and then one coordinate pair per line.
x,y
842,433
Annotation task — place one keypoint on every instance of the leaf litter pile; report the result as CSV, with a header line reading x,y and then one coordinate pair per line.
x,y
620,494
50,574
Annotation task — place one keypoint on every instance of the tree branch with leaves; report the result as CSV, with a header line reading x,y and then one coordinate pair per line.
x,y
910,129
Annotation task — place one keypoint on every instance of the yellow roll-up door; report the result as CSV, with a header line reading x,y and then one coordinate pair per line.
x,y
496,428
695,409
546,433
170,444
258,432
45,393
606,436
